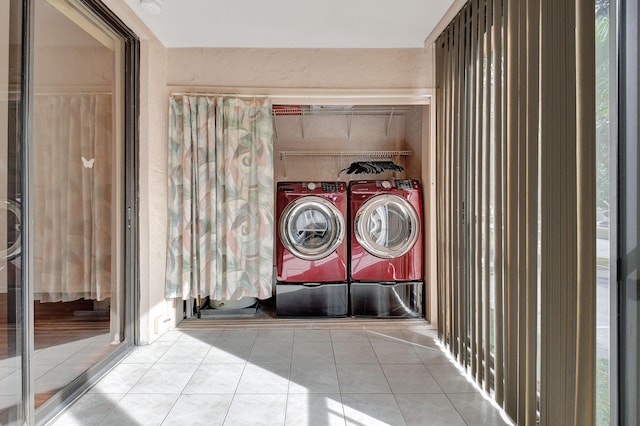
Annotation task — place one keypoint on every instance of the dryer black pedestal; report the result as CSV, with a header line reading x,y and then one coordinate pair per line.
x,y
387,299
312,299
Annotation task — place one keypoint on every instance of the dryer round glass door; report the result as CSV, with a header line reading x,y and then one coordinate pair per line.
x,y
311,228
386,226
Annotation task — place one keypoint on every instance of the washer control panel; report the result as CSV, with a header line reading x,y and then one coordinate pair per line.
x,y
330,187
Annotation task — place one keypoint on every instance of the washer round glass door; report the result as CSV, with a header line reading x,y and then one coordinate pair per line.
x,y
311,228
14,225
386,226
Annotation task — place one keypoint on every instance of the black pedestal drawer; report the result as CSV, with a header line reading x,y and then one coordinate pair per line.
x,y
387,299
312,299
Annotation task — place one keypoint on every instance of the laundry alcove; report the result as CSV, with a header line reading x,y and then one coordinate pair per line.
x,y
319,142
323,143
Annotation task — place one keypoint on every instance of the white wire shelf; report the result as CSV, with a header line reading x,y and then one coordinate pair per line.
x,y
366,154
292,110
341,154
348,111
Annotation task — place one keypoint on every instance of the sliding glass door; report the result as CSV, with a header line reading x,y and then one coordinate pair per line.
x,y
67,195
76,193
606,209
628,215
12,331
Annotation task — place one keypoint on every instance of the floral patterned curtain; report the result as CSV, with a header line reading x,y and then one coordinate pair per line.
x,y
220,210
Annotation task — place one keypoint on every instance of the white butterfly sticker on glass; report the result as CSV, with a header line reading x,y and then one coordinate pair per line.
x,y
88,164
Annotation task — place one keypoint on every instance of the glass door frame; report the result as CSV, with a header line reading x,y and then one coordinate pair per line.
x,y
608,399
131,67
628,244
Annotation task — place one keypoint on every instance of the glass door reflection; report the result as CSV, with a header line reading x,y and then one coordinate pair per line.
x,y
75,197
11,313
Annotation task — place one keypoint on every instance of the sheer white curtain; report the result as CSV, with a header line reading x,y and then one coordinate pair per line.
x,y
72,190
220,212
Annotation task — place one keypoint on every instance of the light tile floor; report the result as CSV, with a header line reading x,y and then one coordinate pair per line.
x,y
54,368
298,377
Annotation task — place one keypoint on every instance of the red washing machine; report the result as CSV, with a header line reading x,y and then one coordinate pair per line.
x,y
386,265
311,250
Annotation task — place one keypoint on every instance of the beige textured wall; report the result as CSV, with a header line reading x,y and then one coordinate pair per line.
x,y
301,68
157,314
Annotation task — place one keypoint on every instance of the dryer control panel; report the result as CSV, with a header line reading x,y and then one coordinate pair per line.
x,y
404,184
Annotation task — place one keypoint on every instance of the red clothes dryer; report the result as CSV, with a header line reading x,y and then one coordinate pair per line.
x,y
386,231
311,249
386,262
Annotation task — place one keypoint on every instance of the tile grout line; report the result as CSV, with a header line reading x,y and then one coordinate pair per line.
x,y
129,390
235,391
191,378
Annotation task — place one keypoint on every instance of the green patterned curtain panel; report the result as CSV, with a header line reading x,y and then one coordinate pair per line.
x,y
220,201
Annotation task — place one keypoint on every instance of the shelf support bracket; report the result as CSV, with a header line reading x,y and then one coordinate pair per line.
x,y
349,120
284,164
302,124
275,127
389,123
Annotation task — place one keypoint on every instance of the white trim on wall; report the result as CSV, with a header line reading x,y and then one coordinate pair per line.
x,y
314,96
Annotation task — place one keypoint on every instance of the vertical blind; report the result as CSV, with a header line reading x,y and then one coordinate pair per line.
x,y
516,203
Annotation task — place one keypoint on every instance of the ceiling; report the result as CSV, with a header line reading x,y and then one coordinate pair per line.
x,y
294,23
